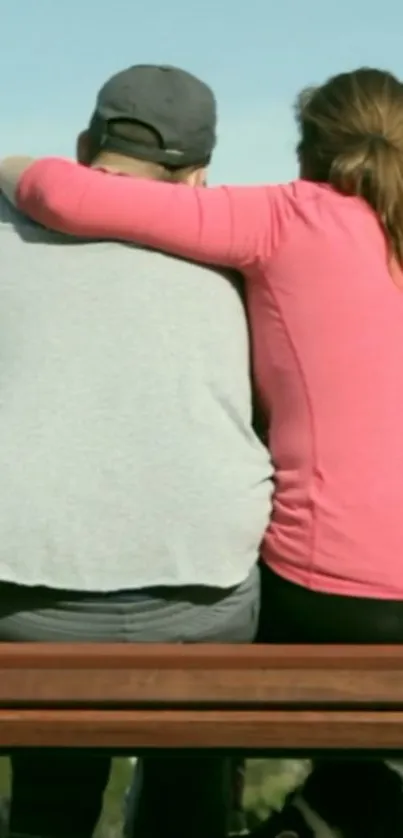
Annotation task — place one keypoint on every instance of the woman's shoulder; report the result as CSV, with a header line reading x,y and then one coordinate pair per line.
x,y
289,198
307,190
307,199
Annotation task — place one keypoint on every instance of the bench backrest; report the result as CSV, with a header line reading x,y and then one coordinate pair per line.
x,y
201,696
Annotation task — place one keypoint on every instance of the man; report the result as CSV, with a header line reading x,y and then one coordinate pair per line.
x,y
135,490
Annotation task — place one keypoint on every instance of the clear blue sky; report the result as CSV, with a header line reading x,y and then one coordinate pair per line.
x,y
255,54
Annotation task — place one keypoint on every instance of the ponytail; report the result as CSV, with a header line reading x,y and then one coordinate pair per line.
x,y
352,138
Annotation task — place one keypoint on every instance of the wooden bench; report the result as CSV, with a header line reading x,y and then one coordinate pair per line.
x,y
286,699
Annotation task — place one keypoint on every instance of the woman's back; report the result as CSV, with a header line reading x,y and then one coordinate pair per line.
x,y
327,327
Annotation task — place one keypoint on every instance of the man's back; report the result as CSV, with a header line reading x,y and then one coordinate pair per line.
x,y
126,453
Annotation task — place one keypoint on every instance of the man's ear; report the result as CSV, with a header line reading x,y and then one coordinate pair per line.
x,y
83,148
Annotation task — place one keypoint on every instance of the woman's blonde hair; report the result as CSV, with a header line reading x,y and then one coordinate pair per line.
x,y
351,136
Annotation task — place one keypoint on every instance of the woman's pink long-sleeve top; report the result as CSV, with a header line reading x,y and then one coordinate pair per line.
x,y
326,323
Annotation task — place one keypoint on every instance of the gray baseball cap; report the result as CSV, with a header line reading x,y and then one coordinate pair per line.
x,y
177,106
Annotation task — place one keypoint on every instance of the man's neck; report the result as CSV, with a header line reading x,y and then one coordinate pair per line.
x,y
128,166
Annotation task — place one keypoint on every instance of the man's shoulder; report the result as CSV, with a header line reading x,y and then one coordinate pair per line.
x,y
179,265
8,214
17,225
143,260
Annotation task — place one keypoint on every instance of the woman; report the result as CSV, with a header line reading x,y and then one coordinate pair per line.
x,y
322,259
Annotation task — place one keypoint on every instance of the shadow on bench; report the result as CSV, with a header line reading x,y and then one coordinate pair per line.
x,y
282,698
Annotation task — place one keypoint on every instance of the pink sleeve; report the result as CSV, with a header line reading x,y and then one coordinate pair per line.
x,y
228,226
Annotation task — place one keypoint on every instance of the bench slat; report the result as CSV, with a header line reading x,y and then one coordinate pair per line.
x,y
217,656
282,730
295,687
51,674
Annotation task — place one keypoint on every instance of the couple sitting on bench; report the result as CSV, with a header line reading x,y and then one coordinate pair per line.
x,y
137,489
